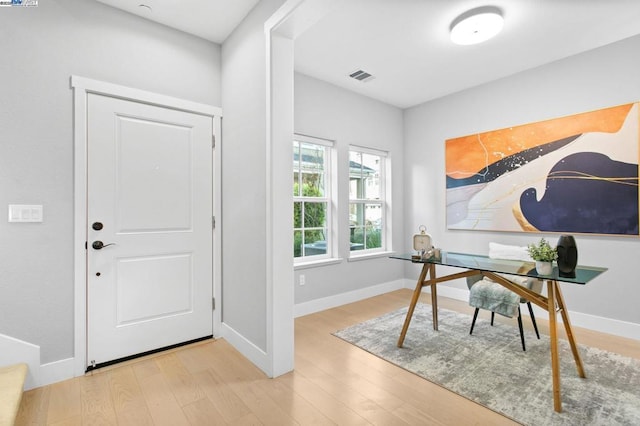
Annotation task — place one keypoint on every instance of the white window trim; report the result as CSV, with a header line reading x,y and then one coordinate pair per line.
x,y
331,256
367,150
314,140
317,263
386,214
370,255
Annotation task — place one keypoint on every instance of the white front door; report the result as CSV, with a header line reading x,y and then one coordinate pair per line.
x,y
149,228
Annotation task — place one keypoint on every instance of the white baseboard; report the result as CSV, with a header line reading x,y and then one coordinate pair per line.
x,y
250,351
329,302
605,325
578,319
15,351
57,371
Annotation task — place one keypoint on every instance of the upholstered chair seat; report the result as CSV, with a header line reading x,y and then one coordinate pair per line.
x,y
491,296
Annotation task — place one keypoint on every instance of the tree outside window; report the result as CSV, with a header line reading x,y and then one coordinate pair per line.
x,y
310,200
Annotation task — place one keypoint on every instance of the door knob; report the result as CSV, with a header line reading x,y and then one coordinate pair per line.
x,y
98,245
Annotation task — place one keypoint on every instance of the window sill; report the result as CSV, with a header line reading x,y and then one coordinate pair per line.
x,y
317,263
376,255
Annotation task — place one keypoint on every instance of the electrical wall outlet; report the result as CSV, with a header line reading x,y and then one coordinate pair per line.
x,y
301,279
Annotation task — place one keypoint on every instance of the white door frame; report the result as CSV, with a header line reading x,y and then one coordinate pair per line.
x,y
81,88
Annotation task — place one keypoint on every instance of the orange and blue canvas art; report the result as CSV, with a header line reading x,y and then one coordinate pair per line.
x,y
575,174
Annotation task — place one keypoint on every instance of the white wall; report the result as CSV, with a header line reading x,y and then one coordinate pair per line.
x,y
41,48
327,111
244,153
600,78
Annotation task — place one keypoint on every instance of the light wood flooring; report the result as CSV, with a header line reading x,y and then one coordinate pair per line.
x,y
210,383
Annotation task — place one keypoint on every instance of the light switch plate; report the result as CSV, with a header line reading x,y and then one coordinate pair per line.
x,y
25,213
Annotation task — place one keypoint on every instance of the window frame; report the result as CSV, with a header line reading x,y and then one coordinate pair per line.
x,y
328,198
382,201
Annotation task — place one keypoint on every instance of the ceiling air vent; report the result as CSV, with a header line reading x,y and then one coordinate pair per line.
x,y
361,75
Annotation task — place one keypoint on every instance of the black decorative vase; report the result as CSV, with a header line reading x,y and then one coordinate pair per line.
x,y
567,256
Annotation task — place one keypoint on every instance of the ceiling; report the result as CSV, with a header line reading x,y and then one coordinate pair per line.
x,y
405,44
212,20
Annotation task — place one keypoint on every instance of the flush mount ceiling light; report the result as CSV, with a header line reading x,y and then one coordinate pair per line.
x,y
476,25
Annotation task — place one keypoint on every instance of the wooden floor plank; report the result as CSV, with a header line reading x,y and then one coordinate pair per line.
x,y
134,418
261,404
181,382
65,401
128,399
372,389
145,367
326,403
97,405
70,421
34,407
222,397
125,389
203,413
196,360
295,404
162,404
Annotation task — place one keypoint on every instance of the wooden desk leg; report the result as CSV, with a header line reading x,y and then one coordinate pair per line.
x,y
414,301
553,334
569,331
434,295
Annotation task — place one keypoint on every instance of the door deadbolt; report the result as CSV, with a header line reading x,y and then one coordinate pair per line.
x,y
97,226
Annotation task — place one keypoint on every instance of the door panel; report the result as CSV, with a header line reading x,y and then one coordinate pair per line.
x,y
150,185
139,277
153,176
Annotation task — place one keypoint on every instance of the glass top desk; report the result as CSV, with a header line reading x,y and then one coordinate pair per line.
x,y
553,302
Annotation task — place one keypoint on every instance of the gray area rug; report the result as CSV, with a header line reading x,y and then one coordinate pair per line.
x,y
490,368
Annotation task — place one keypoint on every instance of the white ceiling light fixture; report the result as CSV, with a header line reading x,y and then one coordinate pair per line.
x,y
477,25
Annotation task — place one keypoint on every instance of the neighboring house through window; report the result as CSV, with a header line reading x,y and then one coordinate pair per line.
x,y
367,195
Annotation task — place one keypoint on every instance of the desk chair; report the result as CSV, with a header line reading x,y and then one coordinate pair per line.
x,y
489,295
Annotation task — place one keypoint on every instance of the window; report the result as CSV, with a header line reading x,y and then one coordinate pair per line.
x,y
367,206
311,198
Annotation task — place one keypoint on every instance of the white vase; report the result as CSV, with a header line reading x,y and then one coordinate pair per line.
x,y
544,268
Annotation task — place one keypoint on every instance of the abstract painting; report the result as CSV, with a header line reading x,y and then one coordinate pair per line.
x,y
574,174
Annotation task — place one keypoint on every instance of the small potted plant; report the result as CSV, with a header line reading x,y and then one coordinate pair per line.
x,y
544,255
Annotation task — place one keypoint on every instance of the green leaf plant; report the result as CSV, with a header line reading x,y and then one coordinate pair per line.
x,y
542,251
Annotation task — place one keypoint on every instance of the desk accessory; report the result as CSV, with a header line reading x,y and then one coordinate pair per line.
x,y
567,256
423,243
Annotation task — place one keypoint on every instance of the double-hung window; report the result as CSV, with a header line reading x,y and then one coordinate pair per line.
x,y
367,194
311,198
